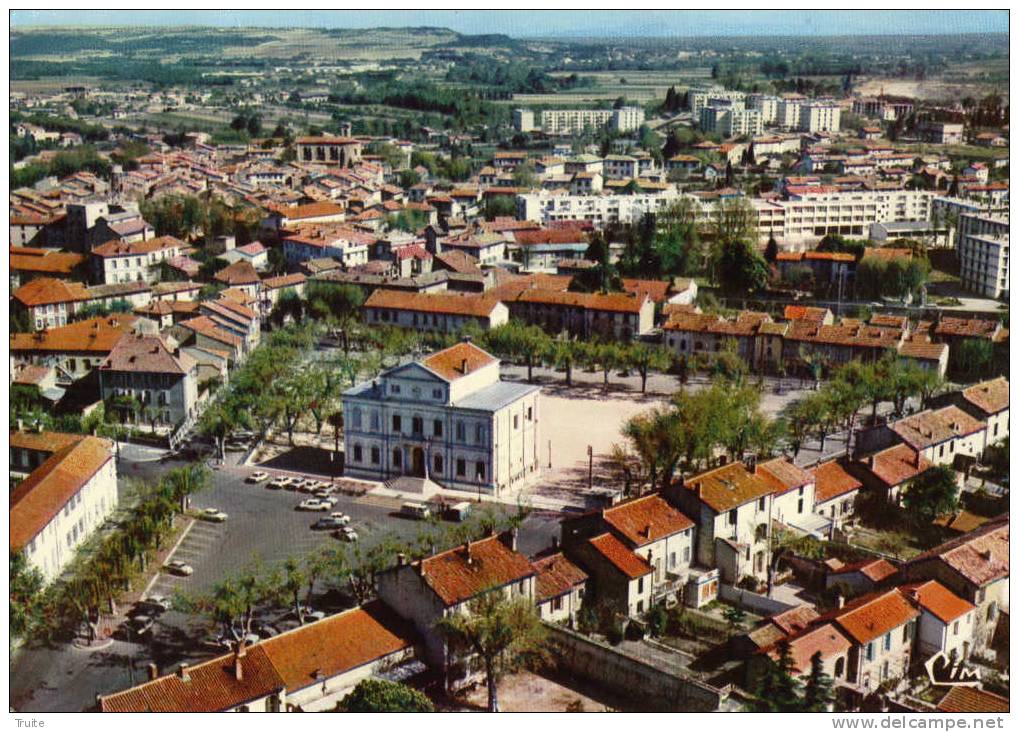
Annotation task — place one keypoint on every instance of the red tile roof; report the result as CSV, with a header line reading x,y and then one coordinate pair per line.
x,y
118,248
873,569
783,475
655,290
803,312
337,644
870,617
937,599
924,429
449,363
646,519
557,575
612,549
46,290
241,272
529,237
832,481
615,302
728,487
990,397
460,574
794,619
826,639
981,556
473,305
146,354
38,498
44,260
95,335
963,699
898,464
212,686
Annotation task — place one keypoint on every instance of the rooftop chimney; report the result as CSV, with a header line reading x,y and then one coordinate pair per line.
x,y
916,459
401,560
153,672
464,368
182,673
840,601
513,538
467,552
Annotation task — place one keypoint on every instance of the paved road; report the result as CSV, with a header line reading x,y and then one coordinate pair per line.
x,y
262,526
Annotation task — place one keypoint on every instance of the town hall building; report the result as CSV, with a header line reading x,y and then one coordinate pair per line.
x,y
447,418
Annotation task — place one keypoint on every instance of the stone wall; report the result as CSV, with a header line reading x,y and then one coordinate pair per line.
x,y
629,676
751,600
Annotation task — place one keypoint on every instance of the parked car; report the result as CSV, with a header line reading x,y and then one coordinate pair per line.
x,y
179,568
257,477
140,624
307,486
313,504
339,515
156,603
266,631
328,522
212,514
415,510
218,642
345,534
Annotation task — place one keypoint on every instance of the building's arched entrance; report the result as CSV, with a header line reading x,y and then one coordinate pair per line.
x,y
418,462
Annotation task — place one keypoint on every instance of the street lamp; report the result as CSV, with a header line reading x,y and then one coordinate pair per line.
x,y
590,467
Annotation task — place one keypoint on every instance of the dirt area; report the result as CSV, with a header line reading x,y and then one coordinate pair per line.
x,y
572,422
528,692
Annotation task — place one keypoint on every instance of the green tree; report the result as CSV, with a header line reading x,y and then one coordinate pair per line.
x,y
818,694
502,633
778,689
379,695
26,605
931,494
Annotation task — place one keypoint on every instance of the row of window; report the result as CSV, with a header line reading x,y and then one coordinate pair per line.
x,y
438,462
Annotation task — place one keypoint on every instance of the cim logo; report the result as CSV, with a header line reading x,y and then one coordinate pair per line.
x,y
944,671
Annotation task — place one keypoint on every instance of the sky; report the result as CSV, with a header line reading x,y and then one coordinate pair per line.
x,y
652,23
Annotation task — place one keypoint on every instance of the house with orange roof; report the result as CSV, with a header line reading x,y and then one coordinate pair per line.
x,y
657,533
65,497
859,577
881,628
986,402
620,315
965,699
732,507
444,584
48,302
793,499
445,419
28,263
442,312
122,261
344,244
74,349
946,623
559,588
942,434
974,566
835,491
887,472
157,374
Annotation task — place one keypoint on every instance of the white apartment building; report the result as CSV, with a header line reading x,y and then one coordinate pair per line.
x,y
570,121
787,112
983,254
699,98
118,261
730,120
812,212
820,116
523,120
767,105
447,418
603,209
64,498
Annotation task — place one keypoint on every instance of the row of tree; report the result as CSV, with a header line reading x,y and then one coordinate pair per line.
x,y
104,568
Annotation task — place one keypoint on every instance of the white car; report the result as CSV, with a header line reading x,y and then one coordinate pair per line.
x,y
345,534
341,517
212,514
257,477
313,504
179,568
